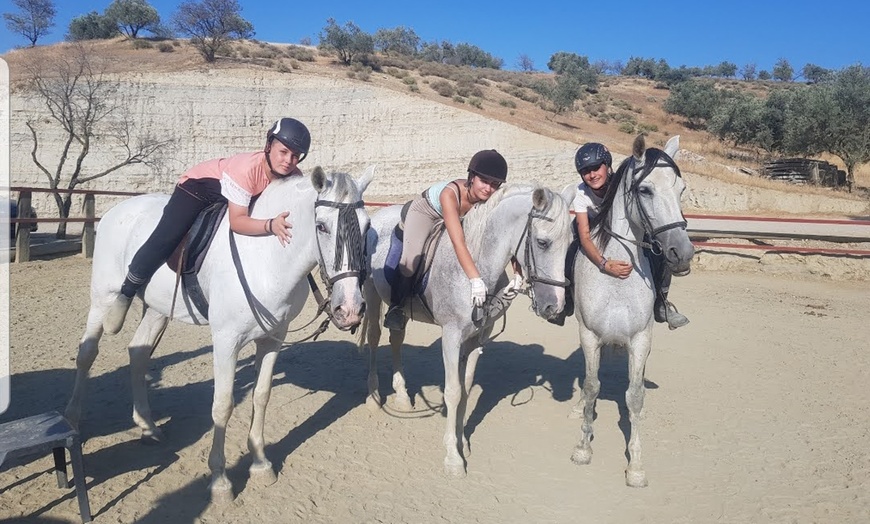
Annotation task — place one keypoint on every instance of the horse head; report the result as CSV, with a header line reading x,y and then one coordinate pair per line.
x,y
341,223
656,186
547,240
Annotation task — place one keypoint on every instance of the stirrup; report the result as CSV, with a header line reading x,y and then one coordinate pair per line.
x,y
395,319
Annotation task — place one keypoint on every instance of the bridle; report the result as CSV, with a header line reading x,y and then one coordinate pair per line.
x,y
531,266
655,158
348,238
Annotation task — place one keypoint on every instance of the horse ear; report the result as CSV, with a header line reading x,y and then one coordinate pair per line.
x,y
638,147
568,193
365,179
318,179
539,198
673,147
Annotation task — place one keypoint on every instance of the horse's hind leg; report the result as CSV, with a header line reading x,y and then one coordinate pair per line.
x,y
372,329
140,349
88,350
585,408
267,353
635,476
402,400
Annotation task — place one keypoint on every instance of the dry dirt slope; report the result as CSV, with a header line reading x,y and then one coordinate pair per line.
x,y
415,138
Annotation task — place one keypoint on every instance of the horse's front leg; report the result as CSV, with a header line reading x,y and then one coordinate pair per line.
x,y
402,400
267,353
585,408
140,349
470,364
88,351
639,348
450,346
225,356
372,332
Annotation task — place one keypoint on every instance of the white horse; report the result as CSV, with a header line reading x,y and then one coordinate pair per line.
x,y
527,222
329,225
643,199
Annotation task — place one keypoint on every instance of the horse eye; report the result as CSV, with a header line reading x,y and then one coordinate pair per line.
x,y
321,227
543,244
644,190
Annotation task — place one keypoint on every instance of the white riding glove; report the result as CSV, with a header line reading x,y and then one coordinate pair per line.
x,y
478,291
514,286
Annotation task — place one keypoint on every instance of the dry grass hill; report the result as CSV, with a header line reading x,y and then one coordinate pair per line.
x,y
621,108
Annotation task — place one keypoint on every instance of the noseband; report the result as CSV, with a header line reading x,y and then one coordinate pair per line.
x,y
531,265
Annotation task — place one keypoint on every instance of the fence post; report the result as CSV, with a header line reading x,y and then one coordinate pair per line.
x,y
22,237
88,233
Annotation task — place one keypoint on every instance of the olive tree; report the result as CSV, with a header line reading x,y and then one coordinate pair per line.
x,y
212,24
348,42
132,16
34,19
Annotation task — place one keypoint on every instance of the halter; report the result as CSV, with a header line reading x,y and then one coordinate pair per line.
x,y
531,265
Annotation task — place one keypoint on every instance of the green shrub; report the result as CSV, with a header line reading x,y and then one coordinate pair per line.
x,y
414,88
443,88
476,102
457,98
626,127
647,128
410,80
165,47
142,44
295,63
507,103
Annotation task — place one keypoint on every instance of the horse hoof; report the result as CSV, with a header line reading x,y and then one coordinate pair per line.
x,y
403,403
221,495
454,470
263,474
581,456
373,402
635,479
151,437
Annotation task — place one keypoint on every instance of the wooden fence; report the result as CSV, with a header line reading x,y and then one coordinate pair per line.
x,y
23,238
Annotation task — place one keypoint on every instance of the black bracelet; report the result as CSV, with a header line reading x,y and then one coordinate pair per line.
x,y
269,226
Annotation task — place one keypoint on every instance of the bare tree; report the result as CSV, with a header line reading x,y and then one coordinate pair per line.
x,y
34,21
82,101
211,24
525,63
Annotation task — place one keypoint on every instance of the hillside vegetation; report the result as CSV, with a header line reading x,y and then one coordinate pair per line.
x,y
621,107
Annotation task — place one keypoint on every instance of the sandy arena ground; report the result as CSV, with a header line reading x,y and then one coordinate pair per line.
x,y
755,412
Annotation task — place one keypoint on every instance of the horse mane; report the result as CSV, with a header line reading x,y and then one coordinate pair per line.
x,y
600,234
474,222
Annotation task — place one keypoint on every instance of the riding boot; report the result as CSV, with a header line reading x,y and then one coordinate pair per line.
x,y
395,318
664,311
114,320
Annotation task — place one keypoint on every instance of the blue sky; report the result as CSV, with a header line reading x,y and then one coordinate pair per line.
x,y
832,34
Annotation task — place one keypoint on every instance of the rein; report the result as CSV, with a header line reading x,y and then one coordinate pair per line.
x,y
531,265
348,238
651,232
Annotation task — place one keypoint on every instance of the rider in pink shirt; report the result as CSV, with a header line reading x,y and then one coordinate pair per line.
x,y
235,180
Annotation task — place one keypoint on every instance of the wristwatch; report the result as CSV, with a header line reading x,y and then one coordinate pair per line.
x,y
602,264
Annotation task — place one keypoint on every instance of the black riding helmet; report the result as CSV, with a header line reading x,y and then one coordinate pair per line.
x,y
592,155
293,134
488,164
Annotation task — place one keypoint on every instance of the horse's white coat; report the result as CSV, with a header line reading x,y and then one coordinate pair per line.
x,y
619,312
276,275
493,232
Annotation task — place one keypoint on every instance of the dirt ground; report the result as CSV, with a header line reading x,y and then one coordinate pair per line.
x,y
755,412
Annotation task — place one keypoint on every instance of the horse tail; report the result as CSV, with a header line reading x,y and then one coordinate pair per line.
x,y
363,333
